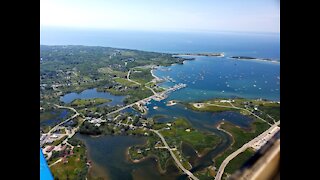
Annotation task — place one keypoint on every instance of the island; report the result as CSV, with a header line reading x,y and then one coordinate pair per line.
x,y
171,103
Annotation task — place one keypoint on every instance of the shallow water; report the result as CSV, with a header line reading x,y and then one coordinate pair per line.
x,y
109,152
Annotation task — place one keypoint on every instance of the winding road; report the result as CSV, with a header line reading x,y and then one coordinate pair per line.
x,y
174,156
128,78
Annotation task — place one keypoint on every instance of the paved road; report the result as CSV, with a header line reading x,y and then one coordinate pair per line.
x,y
128,78
174,156
55,162
151,90
145,99
240,150
65,107
55,127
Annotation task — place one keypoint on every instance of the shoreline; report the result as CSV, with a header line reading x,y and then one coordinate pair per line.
x,y
136,161
221,153
97,171
202,54
255,59
94,170
151,71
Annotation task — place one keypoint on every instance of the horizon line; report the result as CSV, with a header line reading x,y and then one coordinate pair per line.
x,y
157,30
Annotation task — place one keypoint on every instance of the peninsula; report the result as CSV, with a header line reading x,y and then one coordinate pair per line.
x,y
253,58
201,54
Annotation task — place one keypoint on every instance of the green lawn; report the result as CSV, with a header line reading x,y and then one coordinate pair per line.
x,y
238,161
200,141
142,76
125,82
55,143
107,70
211,108
75,168
80,103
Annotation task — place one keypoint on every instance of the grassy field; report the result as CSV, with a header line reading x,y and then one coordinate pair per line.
x,y
271,109
142,76
80,103
210,108
107,70
55,143
75,168
149,150
238,161
178,133
134,155
240,137
132,95
125,82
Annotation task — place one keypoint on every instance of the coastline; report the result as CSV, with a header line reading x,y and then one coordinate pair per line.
x,y
156,78
218,127
201,54
94,170
97,171
255,59
135,161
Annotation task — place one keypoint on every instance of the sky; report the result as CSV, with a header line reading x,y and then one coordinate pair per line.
x,y
163,15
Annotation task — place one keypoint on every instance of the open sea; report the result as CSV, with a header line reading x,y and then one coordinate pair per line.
x,y
250,44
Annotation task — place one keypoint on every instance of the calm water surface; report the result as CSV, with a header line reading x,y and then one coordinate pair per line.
x,y
93,93
110,152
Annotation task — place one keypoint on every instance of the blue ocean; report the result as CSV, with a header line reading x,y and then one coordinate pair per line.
x,y
265,45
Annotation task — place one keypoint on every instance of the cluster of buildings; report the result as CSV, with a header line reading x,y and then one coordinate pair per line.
x,y
226,101
250,105
96,121
45,138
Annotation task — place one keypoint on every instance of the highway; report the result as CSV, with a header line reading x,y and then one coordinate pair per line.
x,y
174,156
240,150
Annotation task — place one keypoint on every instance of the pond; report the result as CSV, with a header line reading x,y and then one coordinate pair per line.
x,y
93,93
